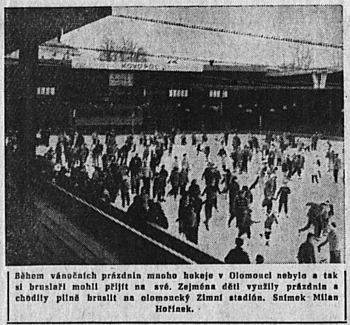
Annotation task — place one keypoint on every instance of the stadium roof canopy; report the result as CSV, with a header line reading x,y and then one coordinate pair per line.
x,y
188,38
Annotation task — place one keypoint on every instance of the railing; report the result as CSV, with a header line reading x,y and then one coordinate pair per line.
x,y
110,227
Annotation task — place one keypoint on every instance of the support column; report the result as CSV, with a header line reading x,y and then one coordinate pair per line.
x,y
28,61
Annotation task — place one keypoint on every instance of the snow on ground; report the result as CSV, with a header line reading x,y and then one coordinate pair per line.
x,y
285,239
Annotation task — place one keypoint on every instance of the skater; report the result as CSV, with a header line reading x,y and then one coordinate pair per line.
x,y
270,220
191,225
333,241
145,153
125,191
268,202
306,253
226,134
175,163
163,175
237,255
146,177
156,187
183,140
197,203
94,137
194,139
211,201
170,148
183,180
314,218
174,180
97,153
314,140
185,164
153,163
184,210
204,137
283,193
240,205
83,154
194,189
135,165
315,173
208,174
207,152
222,152
198,149
233,190
336,167
226,180
236,142
330,156
245,224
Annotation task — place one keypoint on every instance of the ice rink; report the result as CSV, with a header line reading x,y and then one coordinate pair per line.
x,y
220,239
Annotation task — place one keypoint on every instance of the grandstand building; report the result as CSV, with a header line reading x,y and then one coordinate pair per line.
x,y
218,97
129,69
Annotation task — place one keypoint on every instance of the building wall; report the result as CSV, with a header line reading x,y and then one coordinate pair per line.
x,y
188,101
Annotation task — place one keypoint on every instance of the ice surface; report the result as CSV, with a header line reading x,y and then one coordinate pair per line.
x,y
285,239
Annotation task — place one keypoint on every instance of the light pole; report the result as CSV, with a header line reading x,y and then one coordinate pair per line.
x,y
260,124
132,122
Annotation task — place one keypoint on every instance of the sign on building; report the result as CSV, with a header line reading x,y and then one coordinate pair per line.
x,y
121,79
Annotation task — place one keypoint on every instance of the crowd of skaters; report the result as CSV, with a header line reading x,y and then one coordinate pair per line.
x,y
123,171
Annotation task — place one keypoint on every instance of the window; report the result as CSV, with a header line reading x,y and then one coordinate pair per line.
x,y
178,93
45,91
218,93
214,93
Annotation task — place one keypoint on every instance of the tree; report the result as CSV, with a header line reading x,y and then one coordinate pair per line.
x,y
126,51
302,58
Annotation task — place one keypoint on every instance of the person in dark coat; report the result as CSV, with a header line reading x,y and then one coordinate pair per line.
x,y
237,255
163,175
135,165
240,205
125,191
236,142
183,179
283,193
156,187
208,174
156,215
233,190
306,253
314,218
211,201
244,225
226,134
137,213
97,153
191,224
184,209
196,202
194,189
174,180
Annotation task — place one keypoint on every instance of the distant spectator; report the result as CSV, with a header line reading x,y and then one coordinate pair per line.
x,y
237,255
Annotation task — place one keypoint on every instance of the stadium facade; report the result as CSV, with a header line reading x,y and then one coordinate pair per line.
x,y
122,94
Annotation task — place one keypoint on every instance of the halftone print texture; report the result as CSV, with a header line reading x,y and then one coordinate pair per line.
x,y
218,239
